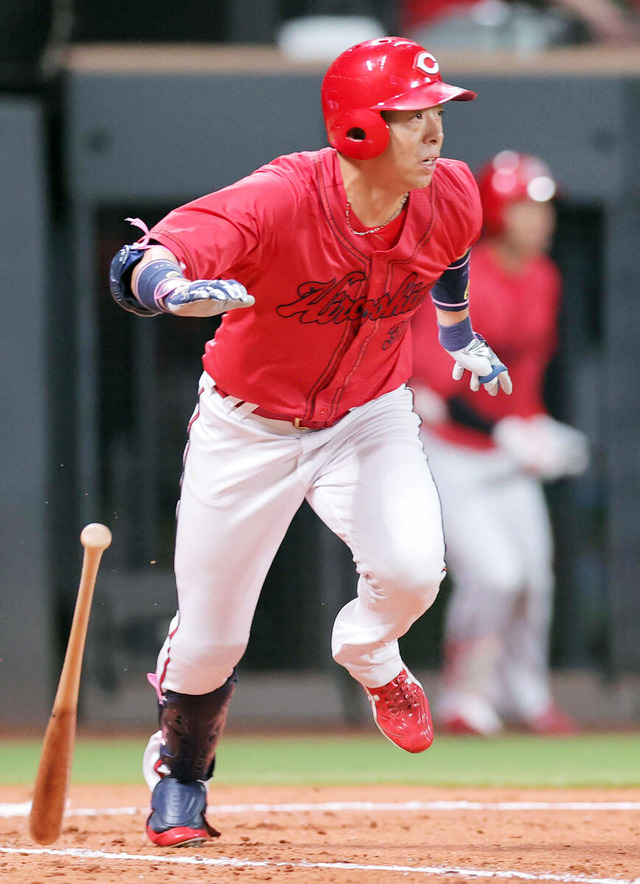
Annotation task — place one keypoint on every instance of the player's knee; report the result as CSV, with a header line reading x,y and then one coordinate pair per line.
x,y
210,663
416,575
421,587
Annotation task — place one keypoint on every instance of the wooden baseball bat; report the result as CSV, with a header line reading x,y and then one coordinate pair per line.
x,y
54,770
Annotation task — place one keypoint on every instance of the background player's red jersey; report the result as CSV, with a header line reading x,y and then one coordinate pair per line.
x,y
517,313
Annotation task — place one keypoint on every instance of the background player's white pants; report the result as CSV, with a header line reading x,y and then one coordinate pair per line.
x,y
499,546
244,479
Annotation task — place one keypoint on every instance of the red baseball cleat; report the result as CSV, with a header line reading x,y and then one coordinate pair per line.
x,y
460,726
401,711
553,722
467,715
177,814
178,836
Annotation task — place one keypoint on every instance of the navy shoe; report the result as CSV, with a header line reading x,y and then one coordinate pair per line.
x,y
177,816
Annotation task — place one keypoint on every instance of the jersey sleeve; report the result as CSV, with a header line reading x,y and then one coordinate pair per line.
x,y
460,217
460,210
222,229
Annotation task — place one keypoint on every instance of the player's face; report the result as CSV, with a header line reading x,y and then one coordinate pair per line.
x,y
529,226
414,145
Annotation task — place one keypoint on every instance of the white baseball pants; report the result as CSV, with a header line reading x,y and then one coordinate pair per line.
x,y
244,479
499,547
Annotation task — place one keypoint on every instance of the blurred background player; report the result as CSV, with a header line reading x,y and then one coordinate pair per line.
x,y
520,25
490,458
318,261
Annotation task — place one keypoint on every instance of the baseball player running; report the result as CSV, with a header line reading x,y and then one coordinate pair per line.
x,y
495,454
318,261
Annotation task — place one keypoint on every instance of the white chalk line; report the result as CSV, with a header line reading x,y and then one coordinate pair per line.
x,y
21,809
233,862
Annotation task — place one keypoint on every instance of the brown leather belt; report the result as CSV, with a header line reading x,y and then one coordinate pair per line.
x,y
297,422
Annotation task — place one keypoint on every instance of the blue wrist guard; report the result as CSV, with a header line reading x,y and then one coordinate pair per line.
x,y
456,337
148,289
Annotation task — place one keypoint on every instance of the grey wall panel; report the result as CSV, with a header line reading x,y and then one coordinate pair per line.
x,y
577,124
157,138
622,408
26,671
147,137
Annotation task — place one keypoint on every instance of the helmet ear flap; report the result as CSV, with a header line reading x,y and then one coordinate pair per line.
x,y
360,133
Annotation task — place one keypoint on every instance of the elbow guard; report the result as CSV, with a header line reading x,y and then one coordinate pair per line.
x,y
120,281
451,291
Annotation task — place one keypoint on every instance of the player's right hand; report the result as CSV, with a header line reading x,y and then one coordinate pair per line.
x,y
203,297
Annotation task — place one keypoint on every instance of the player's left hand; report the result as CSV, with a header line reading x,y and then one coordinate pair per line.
x,y
486,369
544,447
564,450
204,297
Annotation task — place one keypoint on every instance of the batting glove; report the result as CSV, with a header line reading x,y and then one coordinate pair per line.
x,y
431,407
565,449
543,446
202,297
479,359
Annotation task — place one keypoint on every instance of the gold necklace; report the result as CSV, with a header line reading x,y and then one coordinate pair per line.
x,y
380,226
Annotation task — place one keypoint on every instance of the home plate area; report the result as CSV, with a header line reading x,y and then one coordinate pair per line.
x,y
372,834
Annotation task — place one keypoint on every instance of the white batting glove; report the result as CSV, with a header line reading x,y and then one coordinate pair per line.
x,y
203,297
485,367
565,450
515,437
431,407
543,446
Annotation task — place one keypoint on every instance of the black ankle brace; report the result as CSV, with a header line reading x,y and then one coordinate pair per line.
x,y
191,726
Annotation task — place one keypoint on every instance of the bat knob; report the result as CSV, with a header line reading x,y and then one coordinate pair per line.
x,y
95,536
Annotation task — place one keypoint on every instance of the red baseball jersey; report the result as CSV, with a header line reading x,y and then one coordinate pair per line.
x,y
518,315
415,13
330,327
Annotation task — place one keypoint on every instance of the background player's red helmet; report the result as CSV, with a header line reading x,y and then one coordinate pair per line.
x,y
508,178
388,73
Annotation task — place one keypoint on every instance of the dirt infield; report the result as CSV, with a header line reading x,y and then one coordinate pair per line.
x,y
366,835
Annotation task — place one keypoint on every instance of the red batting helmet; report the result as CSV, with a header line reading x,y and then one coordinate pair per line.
x,y
508,178
388,73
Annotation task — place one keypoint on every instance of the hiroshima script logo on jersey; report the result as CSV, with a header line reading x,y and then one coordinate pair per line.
x,y
339,300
